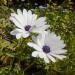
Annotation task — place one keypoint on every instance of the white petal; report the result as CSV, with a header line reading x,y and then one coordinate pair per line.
x,y
59,56
54,42
59,51
15,31
18,36
34,39
40,21
41,54
35,31
17,23
40,29
46,59
34,17
20,14
43,27
25,35
19,33
25,16
17,18
35,54
24,12
34,46
41,40
29,17
51,58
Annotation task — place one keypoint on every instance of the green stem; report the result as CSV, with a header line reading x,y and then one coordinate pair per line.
x,y
29,66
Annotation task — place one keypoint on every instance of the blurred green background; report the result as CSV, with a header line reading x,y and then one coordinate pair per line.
x,y
15,55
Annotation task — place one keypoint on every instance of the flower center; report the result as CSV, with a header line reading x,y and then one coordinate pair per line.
x,y
46,49
27,27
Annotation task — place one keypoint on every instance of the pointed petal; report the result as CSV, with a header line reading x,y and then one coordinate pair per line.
x,y
41,54
34,17
15,16
20,14
59,56
35,54
29,17
25,16
34,46
19,11
62,51
40,21
41,40
54,41
51,58
16,22
18,36
34,39
25,35
40,29
46,60
24,11
15,31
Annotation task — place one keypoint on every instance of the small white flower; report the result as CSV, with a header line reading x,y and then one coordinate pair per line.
x,y
42,7
48,46
22,0
26,22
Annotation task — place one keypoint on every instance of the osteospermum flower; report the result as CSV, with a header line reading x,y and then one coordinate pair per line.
x,y
26,22
48,46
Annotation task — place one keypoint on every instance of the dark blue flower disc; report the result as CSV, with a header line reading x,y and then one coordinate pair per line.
x,y
46,49
27,27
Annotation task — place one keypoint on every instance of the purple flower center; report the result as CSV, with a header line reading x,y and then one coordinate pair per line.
x,y
46,49
27,27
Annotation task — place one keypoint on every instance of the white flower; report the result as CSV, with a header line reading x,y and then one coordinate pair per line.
x,y
26,22
48,46
42,7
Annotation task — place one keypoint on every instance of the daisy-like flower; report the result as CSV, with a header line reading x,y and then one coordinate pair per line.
x,y
48,46
26,22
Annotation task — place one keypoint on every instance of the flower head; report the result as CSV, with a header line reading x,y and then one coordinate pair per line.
x,y
26,22
48,46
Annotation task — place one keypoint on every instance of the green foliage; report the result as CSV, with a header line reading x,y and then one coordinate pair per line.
x,y
15,55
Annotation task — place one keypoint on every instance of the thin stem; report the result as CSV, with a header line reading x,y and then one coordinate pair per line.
x,y
29,66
